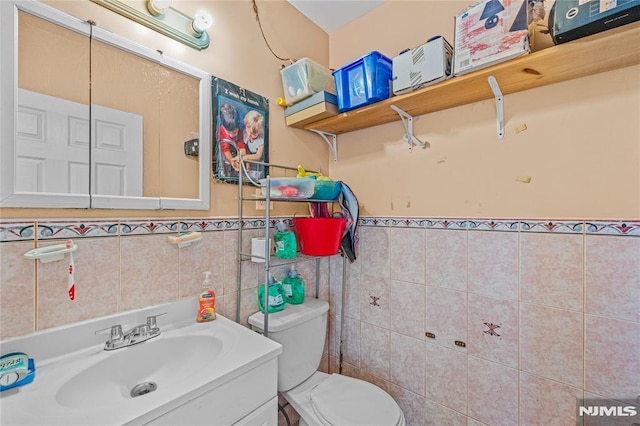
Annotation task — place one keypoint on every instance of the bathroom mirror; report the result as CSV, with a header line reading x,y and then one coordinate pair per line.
x,y
96,121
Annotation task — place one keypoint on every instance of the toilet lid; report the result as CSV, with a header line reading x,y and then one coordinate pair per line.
x,y
341,400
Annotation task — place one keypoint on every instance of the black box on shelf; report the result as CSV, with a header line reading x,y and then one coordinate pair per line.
x,y
573,19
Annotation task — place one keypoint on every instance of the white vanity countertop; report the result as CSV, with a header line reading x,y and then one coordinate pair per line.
x,y
65,353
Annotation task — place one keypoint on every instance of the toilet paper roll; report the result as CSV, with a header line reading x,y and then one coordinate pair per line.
x,y
257,249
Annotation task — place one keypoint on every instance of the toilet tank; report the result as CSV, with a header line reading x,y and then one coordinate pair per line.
x,y
301,330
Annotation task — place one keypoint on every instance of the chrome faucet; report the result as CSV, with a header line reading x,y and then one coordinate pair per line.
x,y
138,334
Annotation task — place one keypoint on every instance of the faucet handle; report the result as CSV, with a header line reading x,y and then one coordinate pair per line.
x,y
151,320
116,332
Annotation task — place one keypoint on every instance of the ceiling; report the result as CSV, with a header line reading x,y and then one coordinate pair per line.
x,y
333,14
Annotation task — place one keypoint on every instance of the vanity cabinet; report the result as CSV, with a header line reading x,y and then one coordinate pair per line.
x,y
250,399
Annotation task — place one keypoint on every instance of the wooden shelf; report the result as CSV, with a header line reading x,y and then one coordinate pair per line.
x,y
606,51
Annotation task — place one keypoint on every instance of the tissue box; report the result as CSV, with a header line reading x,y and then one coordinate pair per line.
x,y
363,81
489,32
316,107
304,78
424,65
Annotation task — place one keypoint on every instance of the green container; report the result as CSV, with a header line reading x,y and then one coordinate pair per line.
x,y
275,297
285,242
293,287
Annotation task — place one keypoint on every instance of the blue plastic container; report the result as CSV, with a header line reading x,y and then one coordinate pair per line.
x,y
364,81
326,190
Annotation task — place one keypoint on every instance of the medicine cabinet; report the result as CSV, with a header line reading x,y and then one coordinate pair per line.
x,y
93,120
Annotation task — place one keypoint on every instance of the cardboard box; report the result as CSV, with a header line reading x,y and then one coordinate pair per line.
x,y
489,32
421,66
317,107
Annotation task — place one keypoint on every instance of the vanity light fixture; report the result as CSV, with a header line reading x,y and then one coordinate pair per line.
x,y
202,21
158,7
160,16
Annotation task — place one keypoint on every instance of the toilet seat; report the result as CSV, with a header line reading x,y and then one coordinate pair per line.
x,y
341,400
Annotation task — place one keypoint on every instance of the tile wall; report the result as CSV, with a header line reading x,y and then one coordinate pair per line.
x,y
127,264
495,322
492,322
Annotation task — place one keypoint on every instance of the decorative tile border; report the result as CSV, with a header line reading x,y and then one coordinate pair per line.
x,y
21,230
629,227
493,225
29,230
69,228
17,230
551,226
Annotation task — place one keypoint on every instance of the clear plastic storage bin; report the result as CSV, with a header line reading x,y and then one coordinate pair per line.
x,y
304,78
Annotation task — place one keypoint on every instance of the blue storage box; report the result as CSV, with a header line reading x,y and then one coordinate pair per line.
x,y
326,190
364,81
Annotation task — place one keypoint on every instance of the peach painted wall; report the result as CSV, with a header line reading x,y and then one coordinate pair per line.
x,y
237,53
581,147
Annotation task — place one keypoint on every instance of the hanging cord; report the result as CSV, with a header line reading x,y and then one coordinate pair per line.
x,y
255,10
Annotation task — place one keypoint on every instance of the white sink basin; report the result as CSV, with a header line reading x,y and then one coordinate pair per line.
x,y
77,382
160,361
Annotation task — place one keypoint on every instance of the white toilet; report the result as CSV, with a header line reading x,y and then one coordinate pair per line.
x,y
320,398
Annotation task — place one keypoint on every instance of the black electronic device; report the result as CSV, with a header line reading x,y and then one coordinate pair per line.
x,y
573,19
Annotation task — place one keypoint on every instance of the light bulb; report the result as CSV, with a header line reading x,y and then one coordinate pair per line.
x,y
201,22
158,7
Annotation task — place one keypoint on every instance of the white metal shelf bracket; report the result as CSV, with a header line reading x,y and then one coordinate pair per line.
x,y
499,107
332,144
407,122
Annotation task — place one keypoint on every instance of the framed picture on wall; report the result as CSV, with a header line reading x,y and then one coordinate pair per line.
x,y
240,126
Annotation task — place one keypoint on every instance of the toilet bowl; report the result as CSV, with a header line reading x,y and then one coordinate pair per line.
x,y
337,400
321,399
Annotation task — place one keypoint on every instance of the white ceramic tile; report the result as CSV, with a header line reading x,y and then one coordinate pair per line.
x,y
546,402
493,329
97,287
612,357
374,251
446,317
149,271
439,415
493,264
551,343
446,264
612,279
446,377
199,257
375,301
374,350
17,290
407,362
493,392
350,339
407,254
411,404
407,308
551,270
